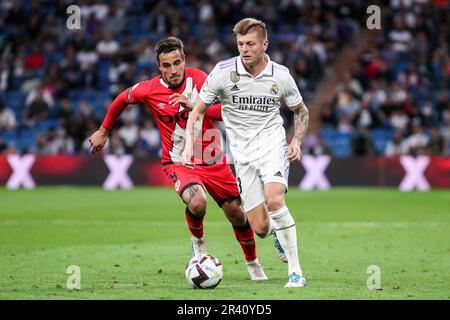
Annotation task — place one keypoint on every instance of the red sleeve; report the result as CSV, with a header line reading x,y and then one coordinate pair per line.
x,y
128,96
199,78
215,112
115,110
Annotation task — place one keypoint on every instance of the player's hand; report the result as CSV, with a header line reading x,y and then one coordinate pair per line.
x,y
177,98
98,140
186,158
294,151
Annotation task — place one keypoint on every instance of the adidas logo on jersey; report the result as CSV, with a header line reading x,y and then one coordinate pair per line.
x,y
278,174
235,88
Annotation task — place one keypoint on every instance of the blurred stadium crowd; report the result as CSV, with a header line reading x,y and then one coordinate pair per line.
x,y
56,84
396,99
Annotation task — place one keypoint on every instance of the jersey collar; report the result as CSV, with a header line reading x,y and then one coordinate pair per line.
x,y
268,70
161,80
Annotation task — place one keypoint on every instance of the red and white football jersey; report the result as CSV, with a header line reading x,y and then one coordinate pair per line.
x,y
171,120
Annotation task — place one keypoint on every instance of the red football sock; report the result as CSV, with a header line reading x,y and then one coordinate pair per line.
x,y
245,237
195,224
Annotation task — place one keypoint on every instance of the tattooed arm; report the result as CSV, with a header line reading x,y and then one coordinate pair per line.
x,y
301,120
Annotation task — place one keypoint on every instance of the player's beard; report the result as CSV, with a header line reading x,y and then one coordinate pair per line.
x,y
176,85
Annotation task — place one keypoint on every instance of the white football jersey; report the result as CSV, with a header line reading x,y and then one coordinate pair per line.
x,y
251,105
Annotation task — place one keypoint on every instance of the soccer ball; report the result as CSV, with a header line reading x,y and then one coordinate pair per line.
x,y
204,272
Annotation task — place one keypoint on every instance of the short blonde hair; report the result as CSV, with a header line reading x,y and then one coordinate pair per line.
x,y
250,24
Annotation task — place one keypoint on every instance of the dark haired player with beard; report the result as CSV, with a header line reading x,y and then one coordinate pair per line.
x,y
169,98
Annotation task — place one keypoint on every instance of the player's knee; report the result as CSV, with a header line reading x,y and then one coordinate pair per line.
x,y
275,202
198,206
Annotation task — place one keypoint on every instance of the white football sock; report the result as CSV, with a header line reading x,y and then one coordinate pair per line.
x,y
287,235
271,229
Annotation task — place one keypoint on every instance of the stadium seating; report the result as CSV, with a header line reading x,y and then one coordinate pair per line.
x,y
140,23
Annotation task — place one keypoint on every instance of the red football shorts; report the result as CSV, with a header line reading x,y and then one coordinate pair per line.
x,y
217,179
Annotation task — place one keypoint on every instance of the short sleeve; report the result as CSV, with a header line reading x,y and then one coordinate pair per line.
x,y
211,87
292,95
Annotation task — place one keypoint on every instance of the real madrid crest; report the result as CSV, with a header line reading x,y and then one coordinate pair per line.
x,y
274,89
234,77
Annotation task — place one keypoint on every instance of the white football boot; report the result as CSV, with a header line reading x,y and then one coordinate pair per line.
x,y
280,252
198,246
255,270
295,281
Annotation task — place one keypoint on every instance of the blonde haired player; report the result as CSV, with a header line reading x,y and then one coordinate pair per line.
x,y
250,88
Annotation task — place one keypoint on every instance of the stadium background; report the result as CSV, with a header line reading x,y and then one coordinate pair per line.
x,y
362,86
375,97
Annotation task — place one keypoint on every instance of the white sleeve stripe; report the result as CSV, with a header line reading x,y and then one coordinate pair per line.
x,y
225,63
130,91
224,66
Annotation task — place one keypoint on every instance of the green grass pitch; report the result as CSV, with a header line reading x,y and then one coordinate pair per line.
x,y
135,245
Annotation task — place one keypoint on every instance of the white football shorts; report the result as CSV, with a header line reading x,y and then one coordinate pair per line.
x,y
251,177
